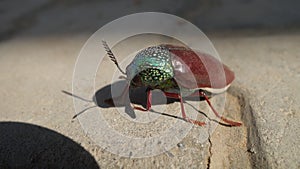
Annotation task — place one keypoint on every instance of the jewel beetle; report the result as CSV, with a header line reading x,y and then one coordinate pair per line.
x,y
176,70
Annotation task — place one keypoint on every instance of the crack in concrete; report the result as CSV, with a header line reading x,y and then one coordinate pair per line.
x,y
254,147
210,153
209,149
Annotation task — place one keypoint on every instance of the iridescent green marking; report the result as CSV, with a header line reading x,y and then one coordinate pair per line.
x,y
154,66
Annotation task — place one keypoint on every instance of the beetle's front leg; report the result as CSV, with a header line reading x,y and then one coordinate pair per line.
x,y
149,102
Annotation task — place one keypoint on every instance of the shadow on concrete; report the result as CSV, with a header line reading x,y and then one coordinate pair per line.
x,y
25,145
137,96
103,98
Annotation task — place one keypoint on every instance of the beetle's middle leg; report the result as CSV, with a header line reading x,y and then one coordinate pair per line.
x,y
178,96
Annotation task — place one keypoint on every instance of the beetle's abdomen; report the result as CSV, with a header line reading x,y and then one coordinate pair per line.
x,y
194,69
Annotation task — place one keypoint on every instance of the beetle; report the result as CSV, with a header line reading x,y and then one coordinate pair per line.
x,y
174,70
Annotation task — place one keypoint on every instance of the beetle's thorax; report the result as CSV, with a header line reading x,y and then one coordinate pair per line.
x,y
151,67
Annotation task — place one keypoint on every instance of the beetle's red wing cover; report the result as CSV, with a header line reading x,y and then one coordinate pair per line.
x,y
199,70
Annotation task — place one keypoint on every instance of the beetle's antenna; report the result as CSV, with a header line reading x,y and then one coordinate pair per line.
x,y
111,55
78,97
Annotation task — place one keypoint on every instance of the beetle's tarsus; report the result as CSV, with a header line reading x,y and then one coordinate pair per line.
x,y
140,108
199,123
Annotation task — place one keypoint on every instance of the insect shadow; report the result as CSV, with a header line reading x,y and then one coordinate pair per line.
x,y
103,98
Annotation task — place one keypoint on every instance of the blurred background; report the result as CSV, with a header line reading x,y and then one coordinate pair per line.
x,y
61,17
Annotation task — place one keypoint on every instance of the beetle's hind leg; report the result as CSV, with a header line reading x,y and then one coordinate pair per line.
x,y
232,123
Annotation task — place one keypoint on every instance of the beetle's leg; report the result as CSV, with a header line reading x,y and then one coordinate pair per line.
x,y
149,99
178,96
149,102
232,123
199,123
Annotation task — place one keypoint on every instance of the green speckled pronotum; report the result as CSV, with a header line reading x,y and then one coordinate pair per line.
x,y
152,67
174,70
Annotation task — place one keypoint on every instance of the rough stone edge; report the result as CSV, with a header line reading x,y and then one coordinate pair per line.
x,y
257,154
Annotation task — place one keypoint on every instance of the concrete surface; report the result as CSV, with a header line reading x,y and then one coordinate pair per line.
x,y
37,61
